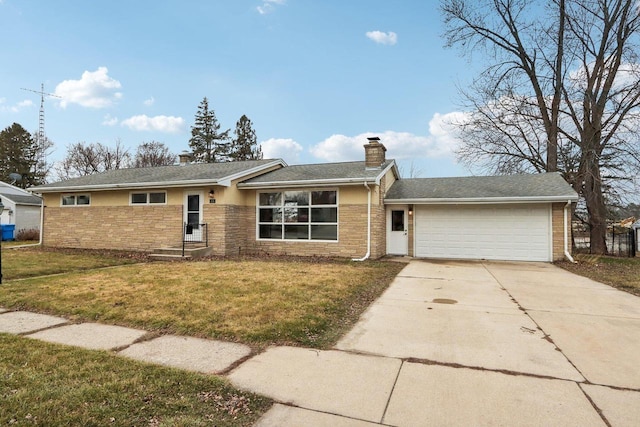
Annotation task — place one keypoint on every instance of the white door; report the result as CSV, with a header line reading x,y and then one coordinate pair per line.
x,y
499,232
193,216
397,230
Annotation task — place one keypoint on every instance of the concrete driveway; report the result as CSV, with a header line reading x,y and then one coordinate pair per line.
x,y
467,343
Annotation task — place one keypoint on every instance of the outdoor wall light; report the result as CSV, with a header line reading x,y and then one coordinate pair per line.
x,y
211,194
410,210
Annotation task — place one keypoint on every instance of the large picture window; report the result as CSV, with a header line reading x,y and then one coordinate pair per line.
x,y
298,215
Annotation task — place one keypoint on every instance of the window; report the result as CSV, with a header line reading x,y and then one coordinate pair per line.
x,y
157,198
76,199
298,215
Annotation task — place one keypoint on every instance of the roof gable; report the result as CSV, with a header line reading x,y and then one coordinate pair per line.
x,y
320,174
504,188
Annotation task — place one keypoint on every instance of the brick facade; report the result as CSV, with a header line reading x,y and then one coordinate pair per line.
x,y
112,227
557,229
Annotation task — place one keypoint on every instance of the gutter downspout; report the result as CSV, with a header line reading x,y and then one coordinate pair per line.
x,y
41,222
566,234
368,254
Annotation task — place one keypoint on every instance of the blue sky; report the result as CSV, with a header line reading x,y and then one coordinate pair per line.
x,y
315,77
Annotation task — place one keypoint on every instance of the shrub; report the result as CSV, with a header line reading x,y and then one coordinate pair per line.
x,y
28,234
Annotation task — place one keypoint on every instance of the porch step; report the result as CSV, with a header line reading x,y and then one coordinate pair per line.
x,y
175,253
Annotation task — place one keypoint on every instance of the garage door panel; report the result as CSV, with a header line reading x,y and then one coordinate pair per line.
x,y
506,232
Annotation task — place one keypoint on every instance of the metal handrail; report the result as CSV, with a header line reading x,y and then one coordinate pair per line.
x,y
188,233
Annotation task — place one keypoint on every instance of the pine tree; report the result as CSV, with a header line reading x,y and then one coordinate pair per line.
x,y
245,146
19,154
207,143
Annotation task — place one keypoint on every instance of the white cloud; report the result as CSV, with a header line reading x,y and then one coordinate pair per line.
x,y
149,102
95,89
110,121
268,6
166,124
16,107
381,37
281,148
440,142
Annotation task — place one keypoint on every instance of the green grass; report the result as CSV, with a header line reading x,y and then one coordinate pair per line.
x,y
37,261
259,302
53,385
622,273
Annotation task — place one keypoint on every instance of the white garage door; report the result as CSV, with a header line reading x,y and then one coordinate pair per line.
x,y
500,232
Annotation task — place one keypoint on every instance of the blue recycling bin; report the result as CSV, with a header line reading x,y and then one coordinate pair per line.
x,y
7,231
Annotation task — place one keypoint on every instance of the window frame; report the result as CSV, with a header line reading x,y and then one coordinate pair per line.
x,y
75,196
148,198
280,210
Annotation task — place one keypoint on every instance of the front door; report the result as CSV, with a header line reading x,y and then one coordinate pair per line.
x,y
397,231
193,216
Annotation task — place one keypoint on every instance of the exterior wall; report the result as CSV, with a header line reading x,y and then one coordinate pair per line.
x,y
557,227
27,217
110,222
109,227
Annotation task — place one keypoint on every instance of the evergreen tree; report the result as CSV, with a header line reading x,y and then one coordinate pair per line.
x,y
207,143
19,154
245,146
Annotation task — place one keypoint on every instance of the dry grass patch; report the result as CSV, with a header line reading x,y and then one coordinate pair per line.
x,y
38,261
622,273
258,302
53,385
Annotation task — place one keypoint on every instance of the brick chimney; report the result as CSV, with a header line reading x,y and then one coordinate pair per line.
x,y
185,158
374,151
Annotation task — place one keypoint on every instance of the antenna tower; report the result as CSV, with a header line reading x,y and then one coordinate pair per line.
x,y
40,137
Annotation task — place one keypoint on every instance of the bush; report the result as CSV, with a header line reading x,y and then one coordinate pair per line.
x,y
28,234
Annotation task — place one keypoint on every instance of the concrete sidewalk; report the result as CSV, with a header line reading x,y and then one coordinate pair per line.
x,y
469,343
449,343
194,354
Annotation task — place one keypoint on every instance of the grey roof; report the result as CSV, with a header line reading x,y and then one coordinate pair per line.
x,y
533,187
321,173
161,175
20,199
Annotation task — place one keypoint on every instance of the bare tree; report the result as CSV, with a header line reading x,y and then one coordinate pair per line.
x,y
85,159
153,153
561,91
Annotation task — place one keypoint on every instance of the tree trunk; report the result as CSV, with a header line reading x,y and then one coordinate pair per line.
x,y
596,207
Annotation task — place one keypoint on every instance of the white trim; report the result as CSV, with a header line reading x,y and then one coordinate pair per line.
x,y
479,200
567,224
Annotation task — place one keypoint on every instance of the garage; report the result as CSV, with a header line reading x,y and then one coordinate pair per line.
x,y
496,232
511,217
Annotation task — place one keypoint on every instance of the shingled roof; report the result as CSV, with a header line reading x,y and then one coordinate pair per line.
x,y
20,199
319,174
162,176
504,188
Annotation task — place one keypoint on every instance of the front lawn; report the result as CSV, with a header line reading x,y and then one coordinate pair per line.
x,y
259,302
622,273
38,261
53,385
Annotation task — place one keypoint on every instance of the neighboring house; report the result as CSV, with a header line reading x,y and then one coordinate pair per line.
x,y
20,207
352,209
